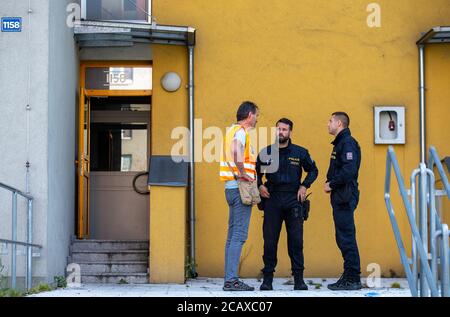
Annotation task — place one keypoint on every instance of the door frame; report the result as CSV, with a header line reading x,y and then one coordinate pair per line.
x,y
83,217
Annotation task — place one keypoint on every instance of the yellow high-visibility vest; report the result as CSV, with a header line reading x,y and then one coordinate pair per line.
x,y
249,156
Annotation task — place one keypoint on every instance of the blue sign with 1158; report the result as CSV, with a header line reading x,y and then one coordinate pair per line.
x,y
11,24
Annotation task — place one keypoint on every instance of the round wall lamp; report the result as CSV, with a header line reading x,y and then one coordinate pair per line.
x,y
171,81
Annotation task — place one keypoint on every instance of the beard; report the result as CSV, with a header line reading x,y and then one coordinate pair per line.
x,y
282,140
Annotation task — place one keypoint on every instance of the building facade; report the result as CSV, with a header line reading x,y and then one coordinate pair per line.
x,y
73,96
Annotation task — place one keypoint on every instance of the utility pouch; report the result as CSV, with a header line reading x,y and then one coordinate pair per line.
x,y
305,207
249,192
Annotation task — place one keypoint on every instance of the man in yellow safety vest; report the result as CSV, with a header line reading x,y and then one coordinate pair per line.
x,y
238,163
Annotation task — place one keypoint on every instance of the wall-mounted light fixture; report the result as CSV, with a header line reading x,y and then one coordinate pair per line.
x,y
171,81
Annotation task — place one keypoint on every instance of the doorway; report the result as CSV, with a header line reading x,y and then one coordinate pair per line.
x,y
120,130
114,148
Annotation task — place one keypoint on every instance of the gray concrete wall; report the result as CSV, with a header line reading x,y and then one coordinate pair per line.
x,y
63,95
51,58
45,136
18,56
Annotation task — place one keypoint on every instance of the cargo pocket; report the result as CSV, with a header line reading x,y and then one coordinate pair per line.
x,y
342,195
296,213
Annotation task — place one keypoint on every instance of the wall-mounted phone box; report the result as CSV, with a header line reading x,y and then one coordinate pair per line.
x,y
389,125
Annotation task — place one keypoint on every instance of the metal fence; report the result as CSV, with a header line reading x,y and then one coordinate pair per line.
x,y
427,272
13,241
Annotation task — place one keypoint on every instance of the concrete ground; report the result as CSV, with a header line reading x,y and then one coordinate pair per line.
x,y
212,287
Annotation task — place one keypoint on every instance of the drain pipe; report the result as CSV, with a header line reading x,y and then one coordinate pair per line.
x,y
423,177
422,103
29,256
192,161
28,106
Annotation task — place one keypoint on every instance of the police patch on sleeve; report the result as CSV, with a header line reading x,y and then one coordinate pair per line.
x,y
349,156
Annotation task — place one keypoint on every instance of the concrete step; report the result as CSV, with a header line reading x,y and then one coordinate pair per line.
x,y
113,267
109,245
108,256
115,278
111,261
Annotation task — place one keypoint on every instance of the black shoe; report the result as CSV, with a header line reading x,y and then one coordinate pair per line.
x,y
267,282
334,286
299,283
237,286
346,283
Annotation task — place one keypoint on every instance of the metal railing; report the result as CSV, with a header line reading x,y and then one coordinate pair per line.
x,y
439,232
432,233
13,241
435,161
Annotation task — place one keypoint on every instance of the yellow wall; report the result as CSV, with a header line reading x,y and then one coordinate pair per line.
x,y
169,110
167,234
304,60
438,107
168,209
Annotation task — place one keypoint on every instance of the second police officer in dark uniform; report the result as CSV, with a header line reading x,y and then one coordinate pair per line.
x,y
282,194
342,184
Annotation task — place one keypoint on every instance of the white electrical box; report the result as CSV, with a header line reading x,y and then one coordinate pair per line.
x,y
389,125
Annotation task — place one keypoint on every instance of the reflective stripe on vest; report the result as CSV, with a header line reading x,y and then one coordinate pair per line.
x,y
249,157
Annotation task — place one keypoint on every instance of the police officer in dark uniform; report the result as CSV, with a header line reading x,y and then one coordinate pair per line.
x,y
282,165
342,184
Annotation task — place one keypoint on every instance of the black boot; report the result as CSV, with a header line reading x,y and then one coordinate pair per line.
x,y
299,283
267,282
335,286
347,282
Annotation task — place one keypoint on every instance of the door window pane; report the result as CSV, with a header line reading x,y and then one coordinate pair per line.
x,y
111,152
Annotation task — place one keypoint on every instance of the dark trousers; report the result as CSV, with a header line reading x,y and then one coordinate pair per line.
x,y
344,223
283,206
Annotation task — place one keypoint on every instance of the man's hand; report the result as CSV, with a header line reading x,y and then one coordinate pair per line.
x,y
327,189
245,178
301,195
264,191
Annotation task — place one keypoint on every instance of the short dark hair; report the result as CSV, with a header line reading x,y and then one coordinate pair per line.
x,y
343,117
286,121
245,109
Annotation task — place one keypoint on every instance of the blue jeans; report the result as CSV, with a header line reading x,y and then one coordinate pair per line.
x,y
238,221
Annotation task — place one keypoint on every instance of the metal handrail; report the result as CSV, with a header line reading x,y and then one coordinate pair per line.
x,y
443,233
29,244
12,189
434,223
20,243
445,279
434,160
413,212
391,162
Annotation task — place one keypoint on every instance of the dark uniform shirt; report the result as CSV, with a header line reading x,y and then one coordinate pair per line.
x,y
292,161
344,165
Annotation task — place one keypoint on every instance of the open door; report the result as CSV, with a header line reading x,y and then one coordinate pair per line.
x,y
112,82
84,167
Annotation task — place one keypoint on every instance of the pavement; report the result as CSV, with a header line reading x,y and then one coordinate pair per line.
x,y
212,287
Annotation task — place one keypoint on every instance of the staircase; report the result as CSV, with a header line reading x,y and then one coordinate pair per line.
x,y
108,261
